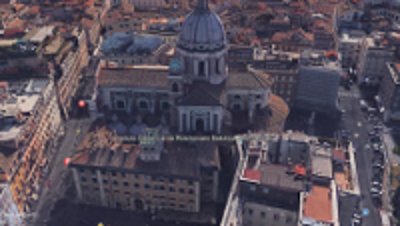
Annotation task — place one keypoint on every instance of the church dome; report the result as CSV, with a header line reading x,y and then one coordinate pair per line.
x,y
202,30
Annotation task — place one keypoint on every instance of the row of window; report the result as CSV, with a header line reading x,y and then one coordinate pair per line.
x,y
137,176
238,97
146,186
143,105
284,78
276,216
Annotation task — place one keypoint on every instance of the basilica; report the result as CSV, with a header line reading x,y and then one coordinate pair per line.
x,y
196,93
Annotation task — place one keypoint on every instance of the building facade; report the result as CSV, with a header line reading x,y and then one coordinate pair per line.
x,y
372,59
196,92
113,171
349,47
9,212
27,143
389,92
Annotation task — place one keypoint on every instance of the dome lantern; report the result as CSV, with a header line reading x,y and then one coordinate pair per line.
x,y
202,4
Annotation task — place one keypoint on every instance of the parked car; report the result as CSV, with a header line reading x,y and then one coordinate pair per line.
x,y
379,166
364,105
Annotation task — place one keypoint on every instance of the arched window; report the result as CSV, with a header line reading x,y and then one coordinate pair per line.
x,y
202,69
175,87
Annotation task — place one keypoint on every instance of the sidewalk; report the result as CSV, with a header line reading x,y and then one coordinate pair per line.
x,y
390,145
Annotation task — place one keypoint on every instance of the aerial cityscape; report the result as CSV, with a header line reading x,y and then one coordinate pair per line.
x,y
199,113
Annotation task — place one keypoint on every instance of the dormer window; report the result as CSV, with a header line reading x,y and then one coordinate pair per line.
x,y
217,67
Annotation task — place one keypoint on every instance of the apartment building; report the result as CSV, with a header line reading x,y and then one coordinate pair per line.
x,y
30,122
9,214
151,174
92,27
320,206
283,68
155,5
374,55
117,21
389,92
318,81
284,179
67,55
349,46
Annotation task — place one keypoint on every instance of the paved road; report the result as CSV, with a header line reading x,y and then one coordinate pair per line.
x,y
355,121
55,185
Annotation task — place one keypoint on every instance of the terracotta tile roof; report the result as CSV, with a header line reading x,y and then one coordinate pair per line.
x,y
339,154
87,23
137,76
341,181
318,204
18,6
103,148
251,174
35,10
279,36
16,23
89,3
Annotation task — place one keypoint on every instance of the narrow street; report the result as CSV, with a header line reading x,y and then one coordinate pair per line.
x,y
354,121
55,185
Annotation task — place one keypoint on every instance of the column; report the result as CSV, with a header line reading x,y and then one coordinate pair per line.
x,y
211,67
197,198
221,65
206,74
219,122
215,185
153,101
210,122
180,122
188,121
100,181
77,183
196,68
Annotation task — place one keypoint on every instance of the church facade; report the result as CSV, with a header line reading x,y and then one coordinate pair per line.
x,y
196,93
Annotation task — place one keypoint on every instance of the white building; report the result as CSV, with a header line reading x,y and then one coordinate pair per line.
x,y
9,214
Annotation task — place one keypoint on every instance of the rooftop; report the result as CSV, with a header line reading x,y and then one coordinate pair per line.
x,y
102,148
149,76
327,59
321,161
131,44
318,204
277,175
